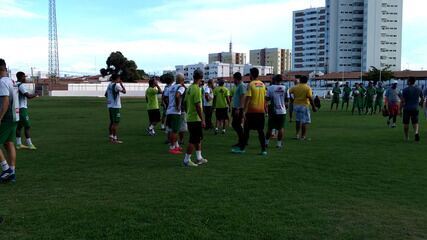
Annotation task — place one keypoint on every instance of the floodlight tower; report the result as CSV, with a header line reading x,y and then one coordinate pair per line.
x,y
53,43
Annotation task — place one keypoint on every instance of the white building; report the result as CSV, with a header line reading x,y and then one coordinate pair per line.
x,y
363,33
382,34
220,70
309,40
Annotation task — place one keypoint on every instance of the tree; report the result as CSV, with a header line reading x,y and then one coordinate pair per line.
x,y
142,73
167,78
376,74
119,64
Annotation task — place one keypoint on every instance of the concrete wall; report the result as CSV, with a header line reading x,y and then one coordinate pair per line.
x,y
98,90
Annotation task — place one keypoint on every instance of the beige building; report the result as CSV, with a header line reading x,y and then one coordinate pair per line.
x,y
279,59
228,57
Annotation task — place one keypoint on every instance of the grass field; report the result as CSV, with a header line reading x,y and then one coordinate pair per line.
x,y
356,179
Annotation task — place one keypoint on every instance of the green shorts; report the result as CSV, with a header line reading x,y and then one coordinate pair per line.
x,y
346,98
24,119
114,115
173,121
276,121
8,132
335,99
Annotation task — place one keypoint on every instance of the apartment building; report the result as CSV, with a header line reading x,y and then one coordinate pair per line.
x,y
363,33
309,40
279,59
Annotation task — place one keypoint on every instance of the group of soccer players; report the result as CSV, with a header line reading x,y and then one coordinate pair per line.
x,y
13,118
191,109
368,99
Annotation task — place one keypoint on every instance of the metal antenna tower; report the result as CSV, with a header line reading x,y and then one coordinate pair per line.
x,y
53,42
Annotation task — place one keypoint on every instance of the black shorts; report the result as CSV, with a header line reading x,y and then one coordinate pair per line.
x,y
410,116
154,115
255,121
221,114
276,121
196,132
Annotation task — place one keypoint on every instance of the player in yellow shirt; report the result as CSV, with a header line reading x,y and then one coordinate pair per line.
x,y
221,103
303,98
151,96
254,112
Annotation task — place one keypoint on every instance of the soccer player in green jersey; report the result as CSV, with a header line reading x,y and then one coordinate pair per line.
x,y
336,91
346,96
357,99
221,104
362,91
9,118
379,99
151,96
195,121
369,101
24,119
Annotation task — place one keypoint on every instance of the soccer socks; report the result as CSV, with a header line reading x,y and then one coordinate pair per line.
x,y
279,144
18,141
151,127
4,165
187,158
13,169
199,155
267,141
29,143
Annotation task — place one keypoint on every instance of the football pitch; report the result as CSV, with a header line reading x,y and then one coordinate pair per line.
x,y
355,179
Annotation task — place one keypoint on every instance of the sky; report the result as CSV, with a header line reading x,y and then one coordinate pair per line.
x,y
159,34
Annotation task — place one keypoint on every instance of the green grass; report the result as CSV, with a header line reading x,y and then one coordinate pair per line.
x,y
356,179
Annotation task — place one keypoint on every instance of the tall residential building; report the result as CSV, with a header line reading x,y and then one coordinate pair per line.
x,y
383,34
309,40
364,33
279,59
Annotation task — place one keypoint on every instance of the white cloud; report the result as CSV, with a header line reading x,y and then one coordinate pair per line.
x,y
13,9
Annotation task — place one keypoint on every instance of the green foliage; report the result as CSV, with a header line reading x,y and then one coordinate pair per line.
x,y
142,73
118,63
375,74
167,78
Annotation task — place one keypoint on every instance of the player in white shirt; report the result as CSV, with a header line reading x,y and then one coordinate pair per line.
x,y
208,97
114,105
175,100
24,119
168,80
9,117
278,97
